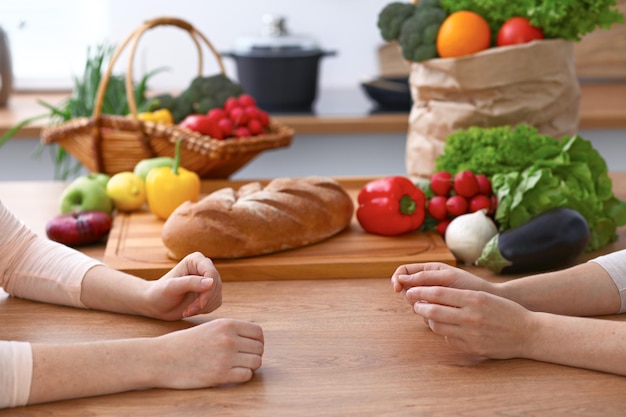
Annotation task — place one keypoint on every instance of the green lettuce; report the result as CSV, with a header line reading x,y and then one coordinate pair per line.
x,y
565,19
531,180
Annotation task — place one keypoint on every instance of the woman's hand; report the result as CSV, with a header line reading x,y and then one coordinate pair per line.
x,y
223,351
475,321
436,274
192,287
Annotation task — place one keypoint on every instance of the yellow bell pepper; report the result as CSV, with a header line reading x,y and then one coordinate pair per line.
x,y
169,187
161,116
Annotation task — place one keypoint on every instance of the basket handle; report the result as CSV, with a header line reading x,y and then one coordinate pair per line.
x,y
136,35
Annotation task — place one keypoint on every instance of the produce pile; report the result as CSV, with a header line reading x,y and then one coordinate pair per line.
x,y
88,204
511,190
454,28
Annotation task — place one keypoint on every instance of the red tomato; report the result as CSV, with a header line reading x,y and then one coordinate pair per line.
x,y
517,30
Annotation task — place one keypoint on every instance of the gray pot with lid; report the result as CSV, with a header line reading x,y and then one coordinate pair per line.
x,y
278,69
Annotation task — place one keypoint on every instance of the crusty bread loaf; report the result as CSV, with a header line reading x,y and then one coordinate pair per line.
x,y
254,220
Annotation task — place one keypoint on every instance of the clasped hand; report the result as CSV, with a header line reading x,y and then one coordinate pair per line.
x,y
465,309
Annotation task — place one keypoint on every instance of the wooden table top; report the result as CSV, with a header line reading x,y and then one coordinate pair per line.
x,y
337,347
602,106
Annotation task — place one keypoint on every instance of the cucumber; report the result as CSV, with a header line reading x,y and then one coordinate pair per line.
x,y
551,240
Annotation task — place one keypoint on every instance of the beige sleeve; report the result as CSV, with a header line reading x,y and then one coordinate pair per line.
x,y
16,372
615,264
37,268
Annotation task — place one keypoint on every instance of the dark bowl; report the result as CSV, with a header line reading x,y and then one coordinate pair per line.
x,y
389,93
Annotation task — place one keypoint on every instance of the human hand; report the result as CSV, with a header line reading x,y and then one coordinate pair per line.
x,y
435,274
475,321
192,287
222,351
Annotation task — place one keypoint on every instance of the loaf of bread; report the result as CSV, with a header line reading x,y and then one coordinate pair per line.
x,y
254,220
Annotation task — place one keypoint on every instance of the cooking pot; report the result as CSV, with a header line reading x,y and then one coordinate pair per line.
x,y
278,69
6,74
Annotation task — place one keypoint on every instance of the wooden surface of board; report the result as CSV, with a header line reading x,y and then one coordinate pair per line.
x,y
134,246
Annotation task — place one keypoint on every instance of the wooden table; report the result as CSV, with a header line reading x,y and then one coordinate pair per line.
x,y
336,347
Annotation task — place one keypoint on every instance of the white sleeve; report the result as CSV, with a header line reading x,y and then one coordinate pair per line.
x,y
16,373
615,264
37,268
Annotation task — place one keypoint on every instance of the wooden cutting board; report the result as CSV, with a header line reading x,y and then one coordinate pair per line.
x,y
135,246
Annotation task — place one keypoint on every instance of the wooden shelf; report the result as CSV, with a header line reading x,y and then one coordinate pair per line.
x,y
602,106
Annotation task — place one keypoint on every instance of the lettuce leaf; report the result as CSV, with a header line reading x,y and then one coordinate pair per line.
x,y
577,179
533,173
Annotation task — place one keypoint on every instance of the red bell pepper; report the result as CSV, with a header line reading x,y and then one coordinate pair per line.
x,y
391,206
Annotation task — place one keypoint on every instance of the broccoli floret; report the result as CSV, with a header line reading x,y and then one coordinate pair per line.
x,y
391,18
215,89
418,34
202,95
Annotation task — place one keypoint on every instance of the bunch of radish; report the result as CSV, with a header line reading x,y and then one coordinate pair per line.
x,y
465,192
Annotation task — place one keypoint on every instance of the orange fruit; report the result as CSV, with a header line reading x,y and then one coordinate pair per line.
x,y
463,33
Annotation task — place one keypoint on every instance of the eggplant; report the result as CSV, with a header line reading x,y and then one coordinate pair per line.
x,y
551,240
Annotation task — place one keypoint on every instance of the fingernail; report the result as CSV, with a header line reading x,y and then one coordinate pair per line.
x,y
205,282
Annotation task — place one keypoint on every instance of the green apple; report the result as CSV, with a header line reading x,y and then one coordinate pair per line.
x,y
101,177
86,193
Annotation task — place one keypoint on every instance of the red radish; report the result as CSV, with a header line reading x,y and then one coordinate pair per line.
x,y
437,207
465,183
441,183
484,184
226,126
480,202
456,205
246,100
442,226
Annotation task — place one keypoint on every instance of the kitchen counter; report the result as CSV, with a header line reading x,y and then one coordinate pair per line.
x,y
603,106
334,347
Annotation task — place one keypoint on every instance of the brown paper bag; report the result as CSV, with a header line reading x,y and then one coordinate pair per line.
x,y
533,83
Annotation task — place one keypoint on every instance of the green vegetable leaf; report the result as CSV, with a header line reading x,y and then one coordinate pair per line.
x,y
565,19
532,173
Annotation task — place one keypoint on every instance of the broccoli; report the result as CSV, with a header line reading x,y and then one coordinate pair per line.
x,y
202,95
391,18
214,90
418,34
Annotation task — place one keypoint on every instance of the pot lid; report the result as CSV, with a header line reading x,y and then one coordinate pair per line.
x,y
274,39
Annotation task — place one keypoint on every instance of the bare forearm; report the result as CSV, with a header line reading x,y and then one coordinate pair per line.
x,y
87,369
580,342
106,289
583,290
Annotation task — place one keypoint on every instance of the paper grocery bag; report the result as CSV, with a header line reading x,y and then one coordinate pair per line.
x,y
533,83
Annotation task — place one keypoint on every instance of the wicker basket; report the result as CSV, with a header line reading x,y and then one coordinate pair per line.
x,y
112,144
